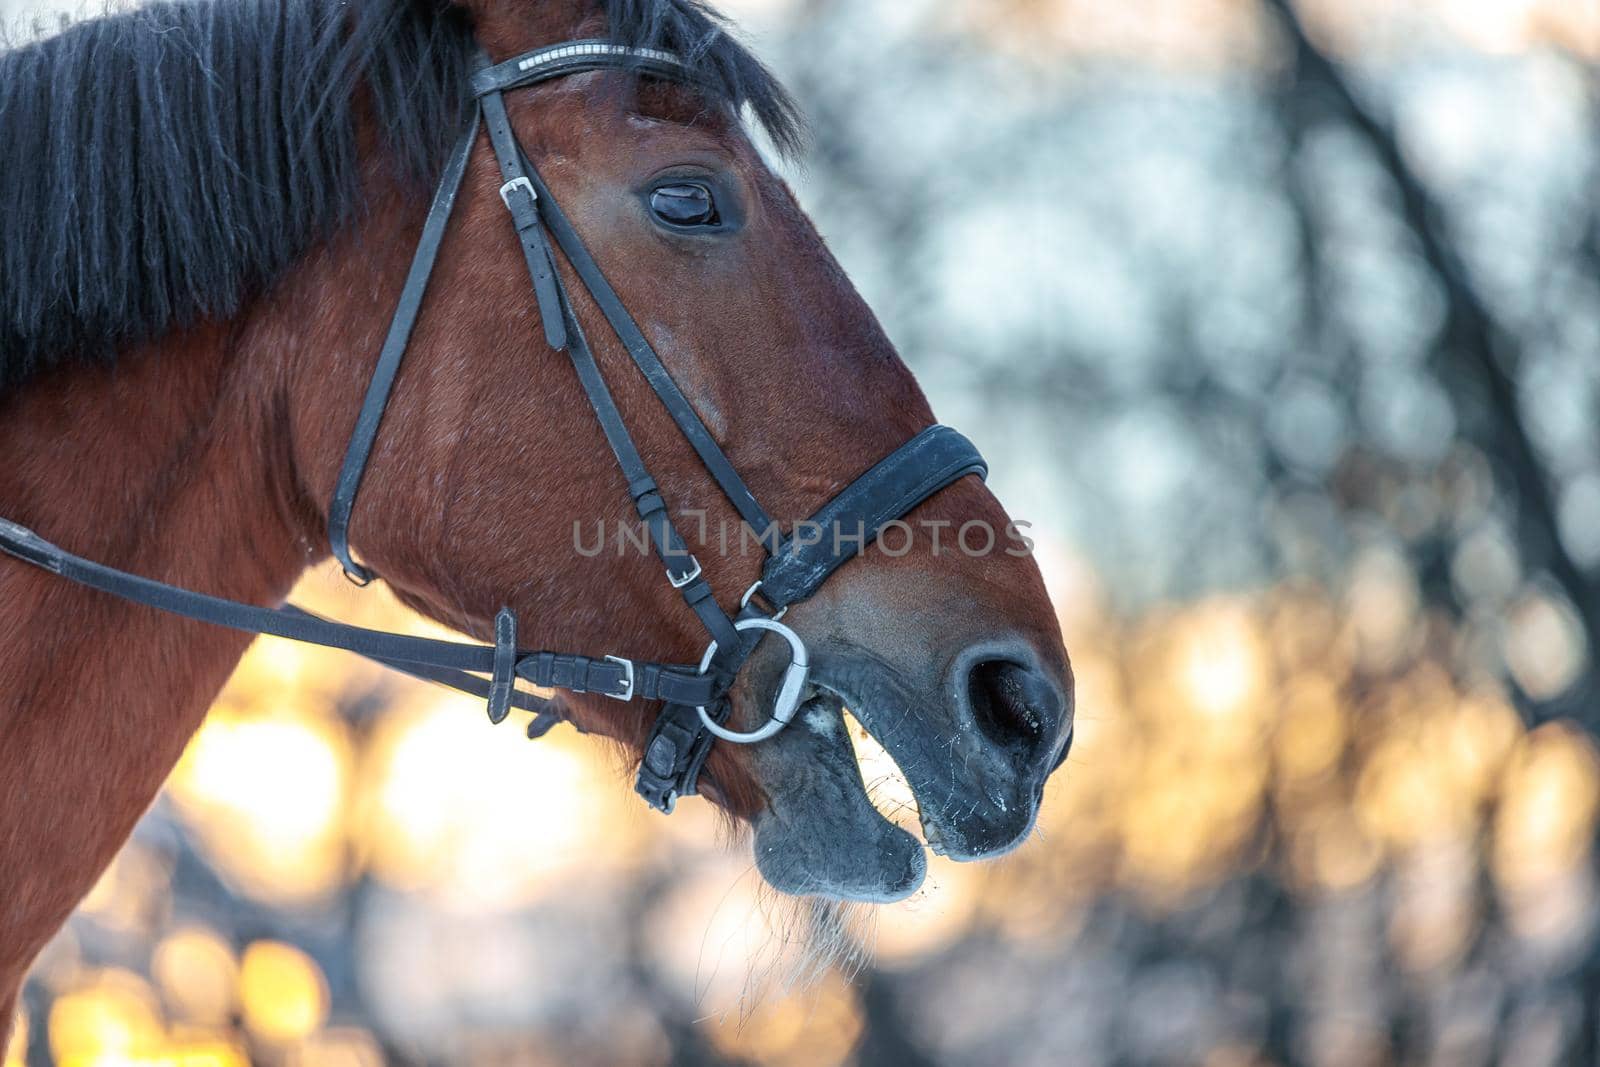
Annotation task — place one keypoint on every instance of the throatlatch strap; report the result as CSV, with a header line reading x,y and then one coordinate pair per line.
x,y
394,349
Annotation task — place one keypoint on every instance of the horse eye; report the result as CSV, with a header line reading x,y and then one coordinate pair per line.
x,y
688,204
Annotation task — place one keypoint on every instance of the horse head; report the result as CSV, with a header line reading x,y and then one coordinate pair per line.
x,y
940,638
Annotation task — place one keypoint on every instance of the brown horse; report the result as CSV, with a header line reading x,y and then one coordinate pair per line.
x,y
205,217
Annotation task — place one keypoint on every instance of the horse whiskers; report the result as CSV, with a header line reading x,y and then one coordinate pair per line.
x,y
809,938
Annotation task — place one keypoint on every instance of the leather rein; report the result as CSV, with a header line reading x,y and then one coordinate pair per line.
x,y
694,696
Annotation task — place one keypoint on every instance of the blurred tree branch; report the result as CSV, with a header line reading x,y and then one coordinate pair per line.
x,y
1472,337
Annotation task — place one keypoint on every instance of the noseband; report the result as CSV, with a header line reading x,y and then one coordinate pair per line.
x,y
695,697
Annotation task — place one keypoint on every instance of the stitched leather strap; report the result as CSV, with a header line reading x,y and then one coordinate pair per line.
x,y
520,199
673,755
470,684
845,525
678,743
440,661
406,312
575,57
504,680
644,356
683,570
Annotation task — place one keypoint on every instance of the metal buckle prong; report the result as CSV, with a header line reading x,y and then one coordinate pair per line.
x,y
680,580
744,601
517,183
627,678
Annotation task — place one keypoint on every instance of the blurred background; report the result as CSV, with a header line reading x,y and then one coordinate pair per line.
x,y
1281,323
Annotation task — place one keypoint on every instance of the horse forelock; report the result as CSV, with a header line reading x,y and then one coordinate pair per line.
x,y
167,163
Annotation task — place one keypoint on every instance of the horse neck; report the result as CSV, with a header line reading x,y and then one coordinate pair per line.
x,y
164,466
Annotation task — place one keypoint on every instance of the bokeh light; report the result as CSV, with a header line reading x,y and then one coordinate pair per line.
x,y
283,992
197,974
266,791
116,1014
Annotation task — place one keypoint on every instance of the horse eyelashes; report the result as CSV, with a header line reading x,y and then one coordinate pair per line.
x,y
685,204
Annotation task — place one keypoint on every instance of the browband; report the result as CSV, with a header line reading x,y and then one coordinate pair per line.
x,y
577,57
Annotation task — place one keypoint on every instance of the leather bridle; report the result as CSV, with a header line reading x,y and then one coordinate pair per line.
x,y
695,697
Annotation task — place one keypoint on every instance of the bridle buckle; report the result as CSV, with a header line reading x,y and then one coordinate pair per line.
x,y
680,580
627,678
514,184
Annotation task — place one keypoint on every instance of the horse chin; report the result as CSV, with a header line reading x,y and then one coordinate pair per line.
x,y
819,835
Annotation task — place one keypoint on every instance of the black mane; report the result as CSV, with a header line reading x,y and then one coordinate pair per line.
x,y
163,164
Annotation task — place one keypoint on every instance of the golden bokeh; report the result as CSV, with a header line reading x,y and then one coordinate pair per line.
x,y
282,991
815,1025
197,974
935,917
114,1015
452,806
1545,822
265,788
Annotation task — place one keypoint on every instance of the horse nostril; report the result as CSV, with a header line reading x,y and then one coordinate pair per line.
x,y
1014,706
